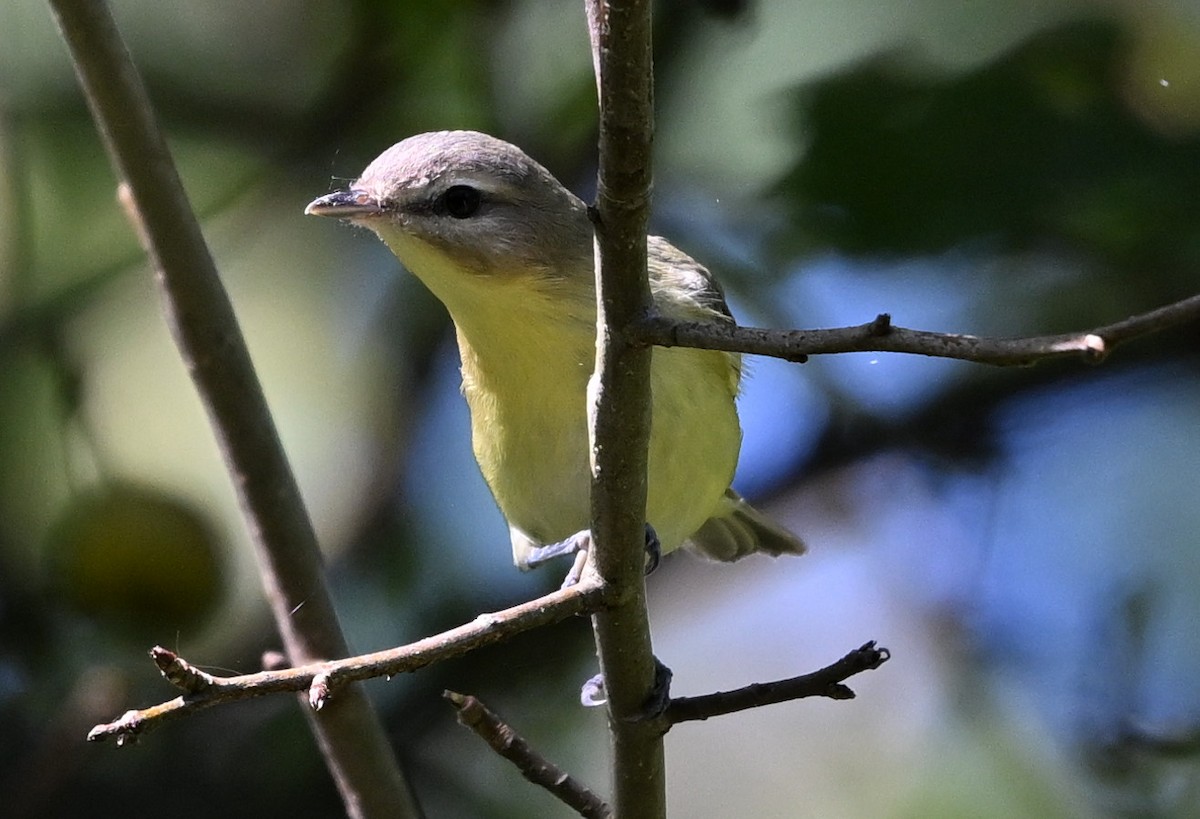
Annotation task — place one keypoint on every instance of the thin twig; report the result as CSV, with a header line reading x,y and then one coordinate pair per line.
x,y
620,403
880,335
505,741
327,681
827,682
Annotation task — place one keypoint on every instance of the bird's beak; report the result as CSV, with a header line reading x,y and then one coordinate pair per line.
x,y
344,205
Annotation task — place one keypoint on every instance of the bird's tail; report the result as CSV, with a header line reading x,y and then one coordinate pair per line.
x,y
738,529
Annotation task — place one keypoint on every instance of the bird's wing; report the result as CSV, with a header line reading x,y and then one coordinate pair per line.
x,y
683,288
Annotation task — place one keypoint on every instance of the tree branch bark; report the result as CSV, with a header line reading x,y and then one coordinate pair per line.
x,y
826,682
211,344
328,682
619,400
505,741
880,335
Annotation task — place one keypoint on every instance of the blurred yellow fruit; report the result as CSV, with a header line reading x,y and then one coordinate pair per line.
x,y
137,556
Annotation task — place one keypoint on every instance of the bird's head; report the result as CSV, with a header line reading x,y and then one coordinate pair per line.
x,y
462,203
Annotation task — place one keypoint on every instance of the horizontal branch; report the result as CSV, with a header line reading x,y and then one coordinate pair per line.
x,y
827,682
203,690
880,335
505,741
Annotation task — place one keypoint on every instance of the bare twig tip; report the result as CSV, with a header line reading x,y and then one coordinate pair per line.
x,y
873,655
179,672
125,729
468,708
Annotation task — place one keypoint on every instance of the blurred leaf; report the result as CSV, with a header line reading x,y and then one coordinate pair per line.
x,y
1036,147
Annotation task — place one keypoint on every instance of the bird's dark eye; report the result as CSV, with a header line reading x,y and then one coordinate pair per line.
x,y
461,201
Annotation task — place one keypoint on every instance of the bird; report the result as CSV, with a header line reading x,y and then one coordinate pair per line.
x,y
508,250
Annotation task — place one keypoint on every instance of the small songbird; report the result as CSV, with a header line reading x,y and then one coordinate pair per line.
x,y
509,251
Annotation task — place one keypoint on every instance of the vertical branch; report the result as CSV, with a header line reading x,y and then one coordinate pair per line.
x,y
619,400
203,324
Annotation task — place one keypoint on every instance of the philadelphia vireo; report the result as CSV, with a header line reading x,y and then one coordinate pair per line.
x,y
508,250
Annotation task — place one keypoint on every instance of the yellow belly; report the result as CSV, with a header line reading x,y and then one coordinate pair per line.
x,y
532,446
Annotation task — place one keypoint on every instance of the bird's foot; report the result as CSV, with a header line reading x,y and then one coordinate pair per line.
x,y
579,544
653,549
594,693
576,543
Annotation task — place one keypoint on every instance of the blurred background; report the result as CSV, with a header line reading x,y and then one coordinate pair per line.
x,y
1025,541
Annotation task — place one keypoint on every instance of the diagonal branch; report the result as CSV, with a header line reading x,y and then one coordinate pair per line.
x,y
882,336
321,680
505,741
211,344
826,682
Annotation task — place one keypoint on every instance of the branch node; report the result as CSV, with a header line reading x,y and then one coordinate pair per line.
x,y
320,690
839,691
881,326
1094,349
659,699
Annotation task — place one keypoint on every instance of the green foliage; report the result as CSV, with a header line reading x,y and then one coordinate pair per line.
x,y
1037,148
